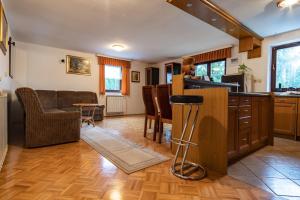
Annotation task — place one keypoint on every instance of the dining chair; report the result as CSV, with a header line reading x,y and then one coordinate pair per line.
x,y
151,111
163,99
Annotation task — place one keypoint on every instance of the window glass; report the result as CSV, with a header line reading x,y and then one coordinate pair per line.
x,y
217,70
113,78
288,67
201,70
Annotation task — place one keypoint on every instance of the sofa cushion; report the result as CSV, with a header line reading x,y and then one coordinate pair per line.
x,y
48,98
70,109
54,110
87,97
66,99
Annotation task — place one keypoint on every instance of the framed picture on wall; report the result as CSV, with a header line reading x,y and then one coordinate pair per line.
x,y
78,65
3,31
135,76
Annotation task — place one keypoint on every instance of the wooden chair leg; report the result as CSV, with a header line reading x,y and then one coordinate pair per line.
x,y
161,130
150,123
155,129
145,126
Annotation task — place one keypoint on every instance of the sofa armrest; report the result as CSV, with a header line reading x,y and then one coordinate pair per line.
x,y
62,115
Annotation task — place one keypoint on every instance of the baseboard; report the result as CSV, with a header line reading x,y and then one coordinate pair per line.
x,y
3,158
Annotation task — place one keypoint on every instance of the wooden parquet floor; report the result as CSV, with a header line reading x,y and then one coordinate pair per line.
x,y
76,171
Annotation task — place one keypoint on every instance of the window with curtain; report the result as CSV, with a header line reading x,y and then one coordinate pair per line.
x,y
286,67
113,78
214,69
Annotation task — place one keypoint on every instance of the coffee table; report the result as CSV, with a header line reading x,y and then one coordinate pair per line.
x,y
90,107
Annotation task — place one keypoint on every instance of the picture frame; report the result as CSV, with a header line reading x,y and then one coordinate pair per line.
x,y
78,65
3,31
135,76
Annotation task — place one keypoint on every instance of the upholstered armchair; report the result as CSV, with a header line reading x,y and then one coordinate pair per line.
x,y
47,128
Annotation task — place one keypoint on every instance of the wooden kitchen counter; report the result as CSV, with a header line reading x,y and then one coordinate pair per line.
x,y
229,125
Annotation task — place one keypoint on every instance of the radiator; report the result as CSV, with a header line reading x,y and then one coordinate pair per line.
x,y
115,105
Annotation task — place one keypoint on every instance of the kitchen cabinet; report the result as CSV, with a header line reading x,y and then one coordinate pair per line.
x,y
249,124
232,131
285,116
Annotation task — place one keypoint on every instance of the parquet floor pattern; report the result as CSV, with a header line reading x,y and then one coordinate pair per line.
x,y
76,171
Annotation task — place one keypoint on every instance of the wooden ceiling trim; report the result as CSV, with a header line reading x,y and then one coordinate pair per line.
x,y
212,14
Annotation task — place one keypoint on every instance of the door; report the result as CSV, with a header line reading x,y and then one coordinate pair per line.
x,y
285,118
232,131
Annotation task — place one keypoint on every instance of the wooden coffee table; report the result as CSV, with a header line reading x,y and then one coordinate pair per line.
x,y
90,107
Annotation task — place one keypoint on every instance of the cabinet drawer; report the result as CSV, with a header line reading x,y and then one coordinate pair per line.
x,y
245,111
244,123
285,100
245,100
233,101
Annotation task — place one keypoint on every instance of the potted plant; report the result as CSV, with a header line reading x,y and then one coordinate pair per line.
x,y
243,69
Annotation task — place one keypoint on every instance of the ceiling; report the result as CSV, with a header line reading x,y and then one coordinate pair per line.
x,y
152,30
263,16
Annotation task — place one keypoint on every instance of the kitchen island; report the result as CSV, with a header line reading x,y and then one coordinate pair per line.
x,y
229,127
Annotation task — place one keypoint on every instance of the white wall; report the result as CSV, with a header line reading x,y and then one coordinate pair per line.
x,y
261,67
39,67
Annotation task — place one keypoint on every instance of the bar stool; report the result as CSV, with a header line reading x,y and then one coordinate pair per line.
x,y
182,168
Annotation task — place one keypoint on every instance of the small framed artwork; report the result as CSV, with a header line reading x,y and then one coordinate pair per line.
x,y
135,76
78,65
3,31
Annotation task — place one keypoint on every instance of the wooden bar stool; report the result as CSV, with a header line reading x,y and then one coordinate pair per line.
x,y
182,168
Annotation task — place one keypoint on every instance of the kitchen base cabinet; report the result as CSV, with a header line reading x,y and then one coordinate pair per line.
x,y
249,124
233,128
285,117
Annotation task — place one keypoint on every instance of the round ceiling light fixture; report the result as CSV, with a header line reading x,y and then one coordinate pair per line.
x,y
118,47
286,3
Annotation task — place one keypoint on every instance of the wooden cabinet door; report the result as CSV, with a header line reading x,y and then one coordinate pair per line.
x,y
255,135
233,129
285,118
264,120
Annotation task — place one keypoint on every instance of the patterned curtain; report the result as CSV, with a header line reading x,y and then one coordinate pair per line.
x,y
102,61
213,55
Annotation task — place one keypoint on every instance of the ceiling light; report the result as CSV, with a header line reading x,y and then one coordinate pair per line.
x,y
286,3
189,5
118,47
213,19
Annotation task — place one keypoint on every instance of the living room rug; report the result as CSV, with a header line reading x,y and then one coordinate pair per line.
x,y
126,155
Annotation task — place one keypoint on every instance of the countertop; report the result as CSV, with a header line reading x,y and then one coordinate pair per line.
x,y
250,94
191,83
280,94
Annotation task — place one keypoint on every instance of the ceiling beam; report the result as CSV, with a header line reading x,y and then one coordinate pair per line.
x,y
215,16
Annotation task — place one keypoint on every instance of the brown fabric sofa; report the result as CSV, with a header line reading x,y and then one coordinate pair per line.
x,y
59,101
47,126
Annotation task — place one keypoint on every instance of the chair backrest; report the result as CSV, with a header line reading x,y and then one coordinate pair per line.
x,y
149,100
29,101
163,99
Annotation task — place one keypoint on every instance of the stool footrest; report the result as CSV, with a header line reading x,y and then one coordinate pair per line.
x,y
190,171
177,141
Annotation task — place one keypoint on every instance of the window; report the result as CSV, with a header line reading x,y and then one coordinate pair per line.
x,y
113,78
215,70
286,67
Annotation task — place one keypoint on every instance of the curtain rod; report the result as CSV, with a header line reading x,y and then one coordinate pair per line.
x,y
113,57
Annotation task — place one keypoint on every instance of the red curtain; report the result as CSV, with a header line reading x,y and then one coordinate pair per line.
x,y
125,90
213,55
